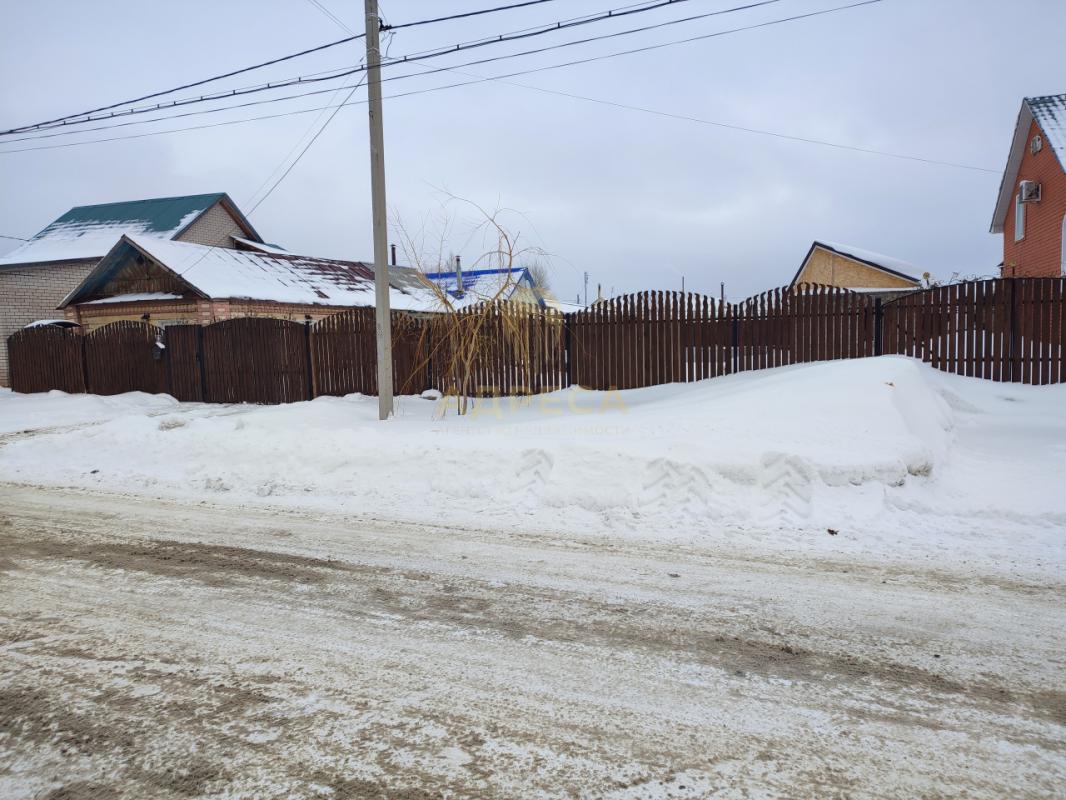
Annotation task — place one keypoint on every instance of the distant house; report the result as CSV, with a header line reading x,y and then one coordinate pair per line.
x,y
833,264
461,288
37,276
180,283
1031,207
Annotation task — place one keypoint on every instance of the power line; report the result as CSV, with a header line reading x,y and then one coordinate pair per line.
x,y
16,238
35,126
656,112
307,147
71,118
460,48
465,15
483,61
331,16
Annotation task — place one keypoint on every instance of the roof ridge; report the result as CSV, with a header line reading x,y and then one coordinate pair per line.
x,y
217,195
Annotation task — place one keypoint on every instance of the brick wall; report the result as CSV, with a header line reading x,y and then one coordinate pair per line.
x,y
1039,253
32,292
214,228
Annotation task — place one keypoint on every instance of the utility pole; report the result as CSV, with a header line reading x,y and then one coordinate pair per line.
x,y
377,190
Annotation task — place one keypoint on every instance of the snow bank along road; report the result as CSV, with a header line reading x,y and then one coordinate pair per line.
x,y
833,580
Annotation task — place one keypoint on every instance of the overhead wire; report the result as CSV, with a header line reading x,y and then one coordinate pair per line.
x,y
503,38
504,80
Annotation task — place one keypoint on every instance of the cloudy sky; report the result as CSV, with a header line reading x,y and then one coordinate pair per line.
x,y
636,199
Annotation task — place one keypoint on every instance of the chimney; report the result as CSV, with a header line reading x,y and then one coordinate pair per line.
x,y
393,248
458,277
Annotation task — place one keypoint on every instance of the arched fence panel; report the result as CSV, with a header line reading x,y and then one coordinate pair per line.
x,y
126,356
257,360
650,338
344,353
45,358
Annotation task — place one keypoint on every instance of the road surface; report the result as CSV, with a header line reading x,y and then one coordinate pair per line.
x,y
155,649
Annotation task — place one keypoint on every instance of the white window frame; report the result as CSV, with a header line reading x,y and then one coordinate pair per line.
x,y
1019,217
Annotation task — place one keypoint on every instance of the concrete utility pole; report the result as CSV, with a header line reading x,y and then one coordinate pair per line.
x,y
377,189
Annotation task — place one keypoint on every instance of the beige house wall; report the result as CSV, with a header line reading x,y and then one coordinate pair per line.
x,y
832,269
32,292
213,228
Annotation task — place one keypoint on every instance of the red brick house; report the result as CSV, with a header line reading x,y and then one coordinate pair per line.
x,y
1031,209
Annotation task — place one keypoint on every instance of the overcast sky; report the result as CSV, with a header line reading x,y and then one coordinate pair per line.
x,y
637,200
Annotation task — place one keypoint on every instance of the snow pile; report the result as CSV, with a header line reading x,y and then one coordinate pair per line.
x,y
877,449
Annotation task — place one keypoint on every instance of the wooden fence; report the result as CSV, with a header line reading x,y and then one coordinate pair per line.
x,y
1003,329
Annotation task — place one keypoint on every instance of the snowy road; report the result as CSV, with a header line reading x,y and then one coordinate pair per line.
x,y
158,649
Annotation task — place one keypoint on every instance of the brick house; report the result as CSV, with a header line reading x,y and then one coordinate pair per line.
x,y
38,275
832,264
1031,207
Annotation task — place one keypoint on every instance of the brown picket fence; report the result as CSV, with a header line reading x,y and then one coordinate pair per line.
x,y
125,356
1003,329
496,349
45,358
344,354
998,329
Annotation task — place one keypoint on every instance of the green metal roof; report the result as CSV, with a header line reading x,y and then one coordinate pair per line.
x,y
160,215
88,232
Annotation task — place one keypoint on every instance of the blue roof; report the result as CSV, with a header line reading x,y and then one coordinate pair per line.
x,y
483,282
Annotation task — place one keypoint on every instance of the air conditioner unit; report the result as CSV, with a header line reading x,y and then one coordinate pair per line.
x,y
1030,191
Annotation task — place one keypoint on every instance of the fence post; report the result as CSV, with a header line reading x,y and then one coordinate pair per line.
x,y
567,351
307,353
735,344
168,367
200,363
84,365
1015,360
879,328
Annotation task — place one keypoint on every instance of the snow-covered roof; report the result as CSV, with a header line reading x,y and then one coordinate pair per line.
x,y
478,285
223,273
1049,112
262,247
88,232
897,266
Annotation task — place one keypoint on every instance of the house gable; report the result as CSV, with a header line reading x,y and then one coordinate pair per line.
x,y
1035,248
219,226
1043,116
128,270
831,265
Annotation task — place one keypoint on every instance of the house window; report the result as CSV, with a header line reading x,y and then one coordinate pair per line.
x,y
1019,218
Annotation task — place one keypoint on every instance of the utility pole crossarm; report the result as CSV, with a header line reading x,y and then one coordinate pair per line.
x,y
377,187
